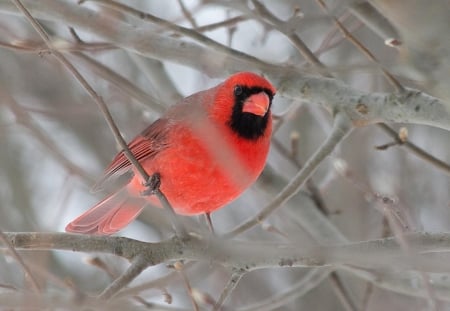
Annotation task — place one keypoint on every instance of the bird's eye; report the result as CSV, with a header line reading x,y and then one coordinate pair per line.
x,y
238,90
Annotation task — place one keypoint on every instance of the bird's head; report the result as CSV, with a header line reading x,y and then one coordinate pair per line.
x,y
243,103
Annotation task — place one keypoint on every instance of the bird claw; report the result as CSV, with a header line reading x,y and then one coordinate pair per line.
x,y
152,184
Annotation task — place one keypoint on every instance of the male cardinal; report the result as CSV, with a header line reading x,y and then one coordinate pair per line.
x,y
207,150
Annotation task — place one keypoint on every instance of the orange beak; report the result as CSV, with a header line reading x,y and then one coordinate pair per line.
x,y
257,104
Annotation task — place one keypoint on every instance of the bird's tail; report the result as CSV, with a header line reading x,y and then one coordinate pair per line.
x,y
109,215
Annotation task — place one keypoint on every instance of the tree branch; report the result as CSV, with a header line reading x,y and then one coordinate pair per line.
x,y
363,108
139,264
431,248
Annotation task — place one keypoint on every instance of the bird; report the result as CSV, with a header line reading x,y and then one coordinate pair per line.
x,y
207,150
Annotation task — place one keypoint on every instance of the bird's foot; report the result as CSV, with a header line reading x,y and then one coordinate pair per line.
x,y
152,184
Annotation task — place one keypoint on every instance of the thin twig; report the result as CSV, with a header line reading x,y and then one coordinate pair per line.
x,y
25,119
161,282
153,188
35,284
327,42
179,266
177,225
160,83
369,290
235,277
121,83
294,38
373,19
341,292
187,14
231,22
118,80
397,85
33,47
310,185
311,280
416,150
368,294
139,264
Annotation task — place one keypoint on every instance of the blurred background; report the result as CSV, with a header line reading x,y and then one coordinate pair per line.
x,y
55,142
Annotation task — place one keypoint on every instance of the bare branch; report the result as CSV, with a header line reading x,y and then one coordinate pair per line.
x,y
25,119
119,81
139,264
417,151
296,41
35,285
311,280
363,49
226,23
432,249
375,21
362,108
235,277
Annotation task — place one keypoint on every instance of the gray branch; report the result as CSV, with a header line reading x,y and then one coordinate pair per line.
x,y
363,108
250,255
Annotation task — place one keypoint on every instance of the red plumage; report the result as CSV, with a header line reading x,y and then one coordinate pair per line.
x,y
207,149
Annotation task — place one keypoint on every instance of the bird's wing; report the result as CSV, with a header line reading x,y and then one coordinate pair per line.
x,y
155,137
144,146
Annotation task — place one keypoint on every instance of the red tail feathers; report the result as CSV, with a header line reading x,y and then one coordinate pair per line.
x,y
108,216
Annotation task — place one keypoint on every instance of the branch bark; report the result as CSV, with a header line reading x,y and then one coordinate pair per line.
x,y
363,108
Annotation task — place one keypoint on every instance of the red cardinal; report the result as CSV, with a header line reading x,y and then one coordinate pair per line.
x,y
207,150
